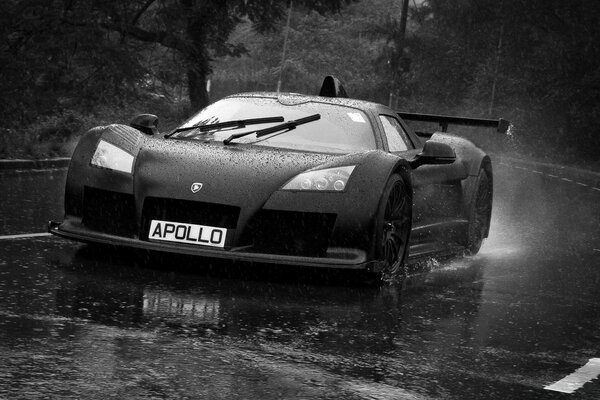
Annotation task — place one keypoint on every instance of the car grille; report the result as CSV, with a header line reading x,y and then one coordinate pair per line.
x,y
190,212
109,212
292,233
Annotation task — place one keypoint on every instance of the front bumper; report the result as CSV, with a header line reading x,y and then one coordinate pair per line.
x,y
335,258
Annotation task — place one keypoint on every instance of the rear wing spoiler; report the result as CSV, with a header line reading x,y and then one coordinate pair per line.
x,y
500,124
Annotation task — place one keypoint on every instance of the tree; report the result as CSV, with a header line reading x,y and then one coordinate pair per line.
x,y
51,51
199,30
537,59
342,44
79,53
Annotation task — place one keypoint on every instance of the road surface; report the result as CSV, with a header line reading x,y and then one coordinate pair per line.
x,y
521,320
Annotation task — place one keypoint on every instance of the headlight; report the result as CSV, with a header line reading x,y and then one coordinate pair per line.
x,y
110,156
330,179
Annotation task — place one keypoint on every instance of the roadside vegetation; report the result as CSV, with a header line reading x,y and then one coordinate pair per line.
x,y
68,65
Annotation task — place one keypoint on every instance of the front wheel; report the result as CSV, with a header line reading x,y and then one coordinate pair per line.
x,y
480,213
394,219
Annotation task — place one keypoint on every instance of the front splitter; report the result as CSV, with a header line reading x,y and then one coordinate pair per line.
x,y
357,259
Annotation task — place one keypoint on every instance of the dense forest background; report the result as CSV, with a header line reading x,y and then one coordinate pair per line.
x,y
67,65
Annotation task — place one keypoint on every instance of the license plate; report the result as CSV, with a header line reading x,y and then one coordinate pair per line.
x,y
187,233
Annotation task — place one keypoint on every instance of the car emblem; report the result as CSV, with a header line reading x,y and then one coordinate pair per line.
x,y
196,186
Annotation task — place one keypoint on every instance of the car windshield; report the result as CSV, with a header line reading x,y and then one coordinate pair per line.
x,y
340,129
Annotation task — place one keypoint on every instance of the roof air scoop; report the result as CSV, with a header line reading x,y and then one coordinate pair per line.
x,y
332,87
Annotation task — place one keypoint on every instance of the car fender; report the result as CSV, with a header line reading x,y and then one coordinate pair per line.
x,y
357,206
81,173
473,158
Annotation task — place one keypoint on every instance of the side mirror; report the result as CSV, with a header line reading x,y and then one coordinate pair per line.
x,y
145,123
434,153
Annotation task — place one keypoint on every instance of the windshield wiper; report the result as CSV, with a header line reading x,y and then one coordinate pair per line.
x,y
289,125
240,123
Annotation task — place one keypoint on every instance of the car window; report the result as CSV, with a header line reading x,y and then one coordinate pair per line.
x,y
397,138
340,129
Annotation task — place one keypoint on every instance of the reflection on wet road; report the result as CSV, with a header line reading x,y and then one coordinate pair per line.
x,y
79,322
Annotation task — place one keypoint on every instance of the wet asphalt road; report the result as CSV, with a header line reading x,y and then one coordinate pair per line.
x,y
81,323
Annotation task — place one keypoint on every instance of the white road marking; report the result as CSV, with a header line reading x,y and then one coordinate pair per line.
x,y
33,170
551,176
577,379
24,236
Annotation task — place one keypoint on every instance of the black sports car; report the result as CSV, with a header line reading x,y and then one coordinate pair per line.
x,y
282,178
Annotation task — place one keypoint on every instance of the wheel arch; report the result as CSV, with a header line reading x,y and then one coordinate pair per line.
x,y
486,165
396,165
392,165
470,186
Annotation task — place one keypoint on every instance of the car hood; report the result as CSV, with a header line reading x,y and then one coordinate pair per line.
x,y
237,175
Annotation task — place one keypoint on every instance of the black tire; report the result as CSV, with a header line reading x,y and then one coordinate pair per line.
x,y
480,213
394,221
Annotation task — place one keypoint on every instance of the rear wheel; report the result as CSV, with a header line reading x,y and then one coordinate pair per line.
x,y
480,213
394,220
